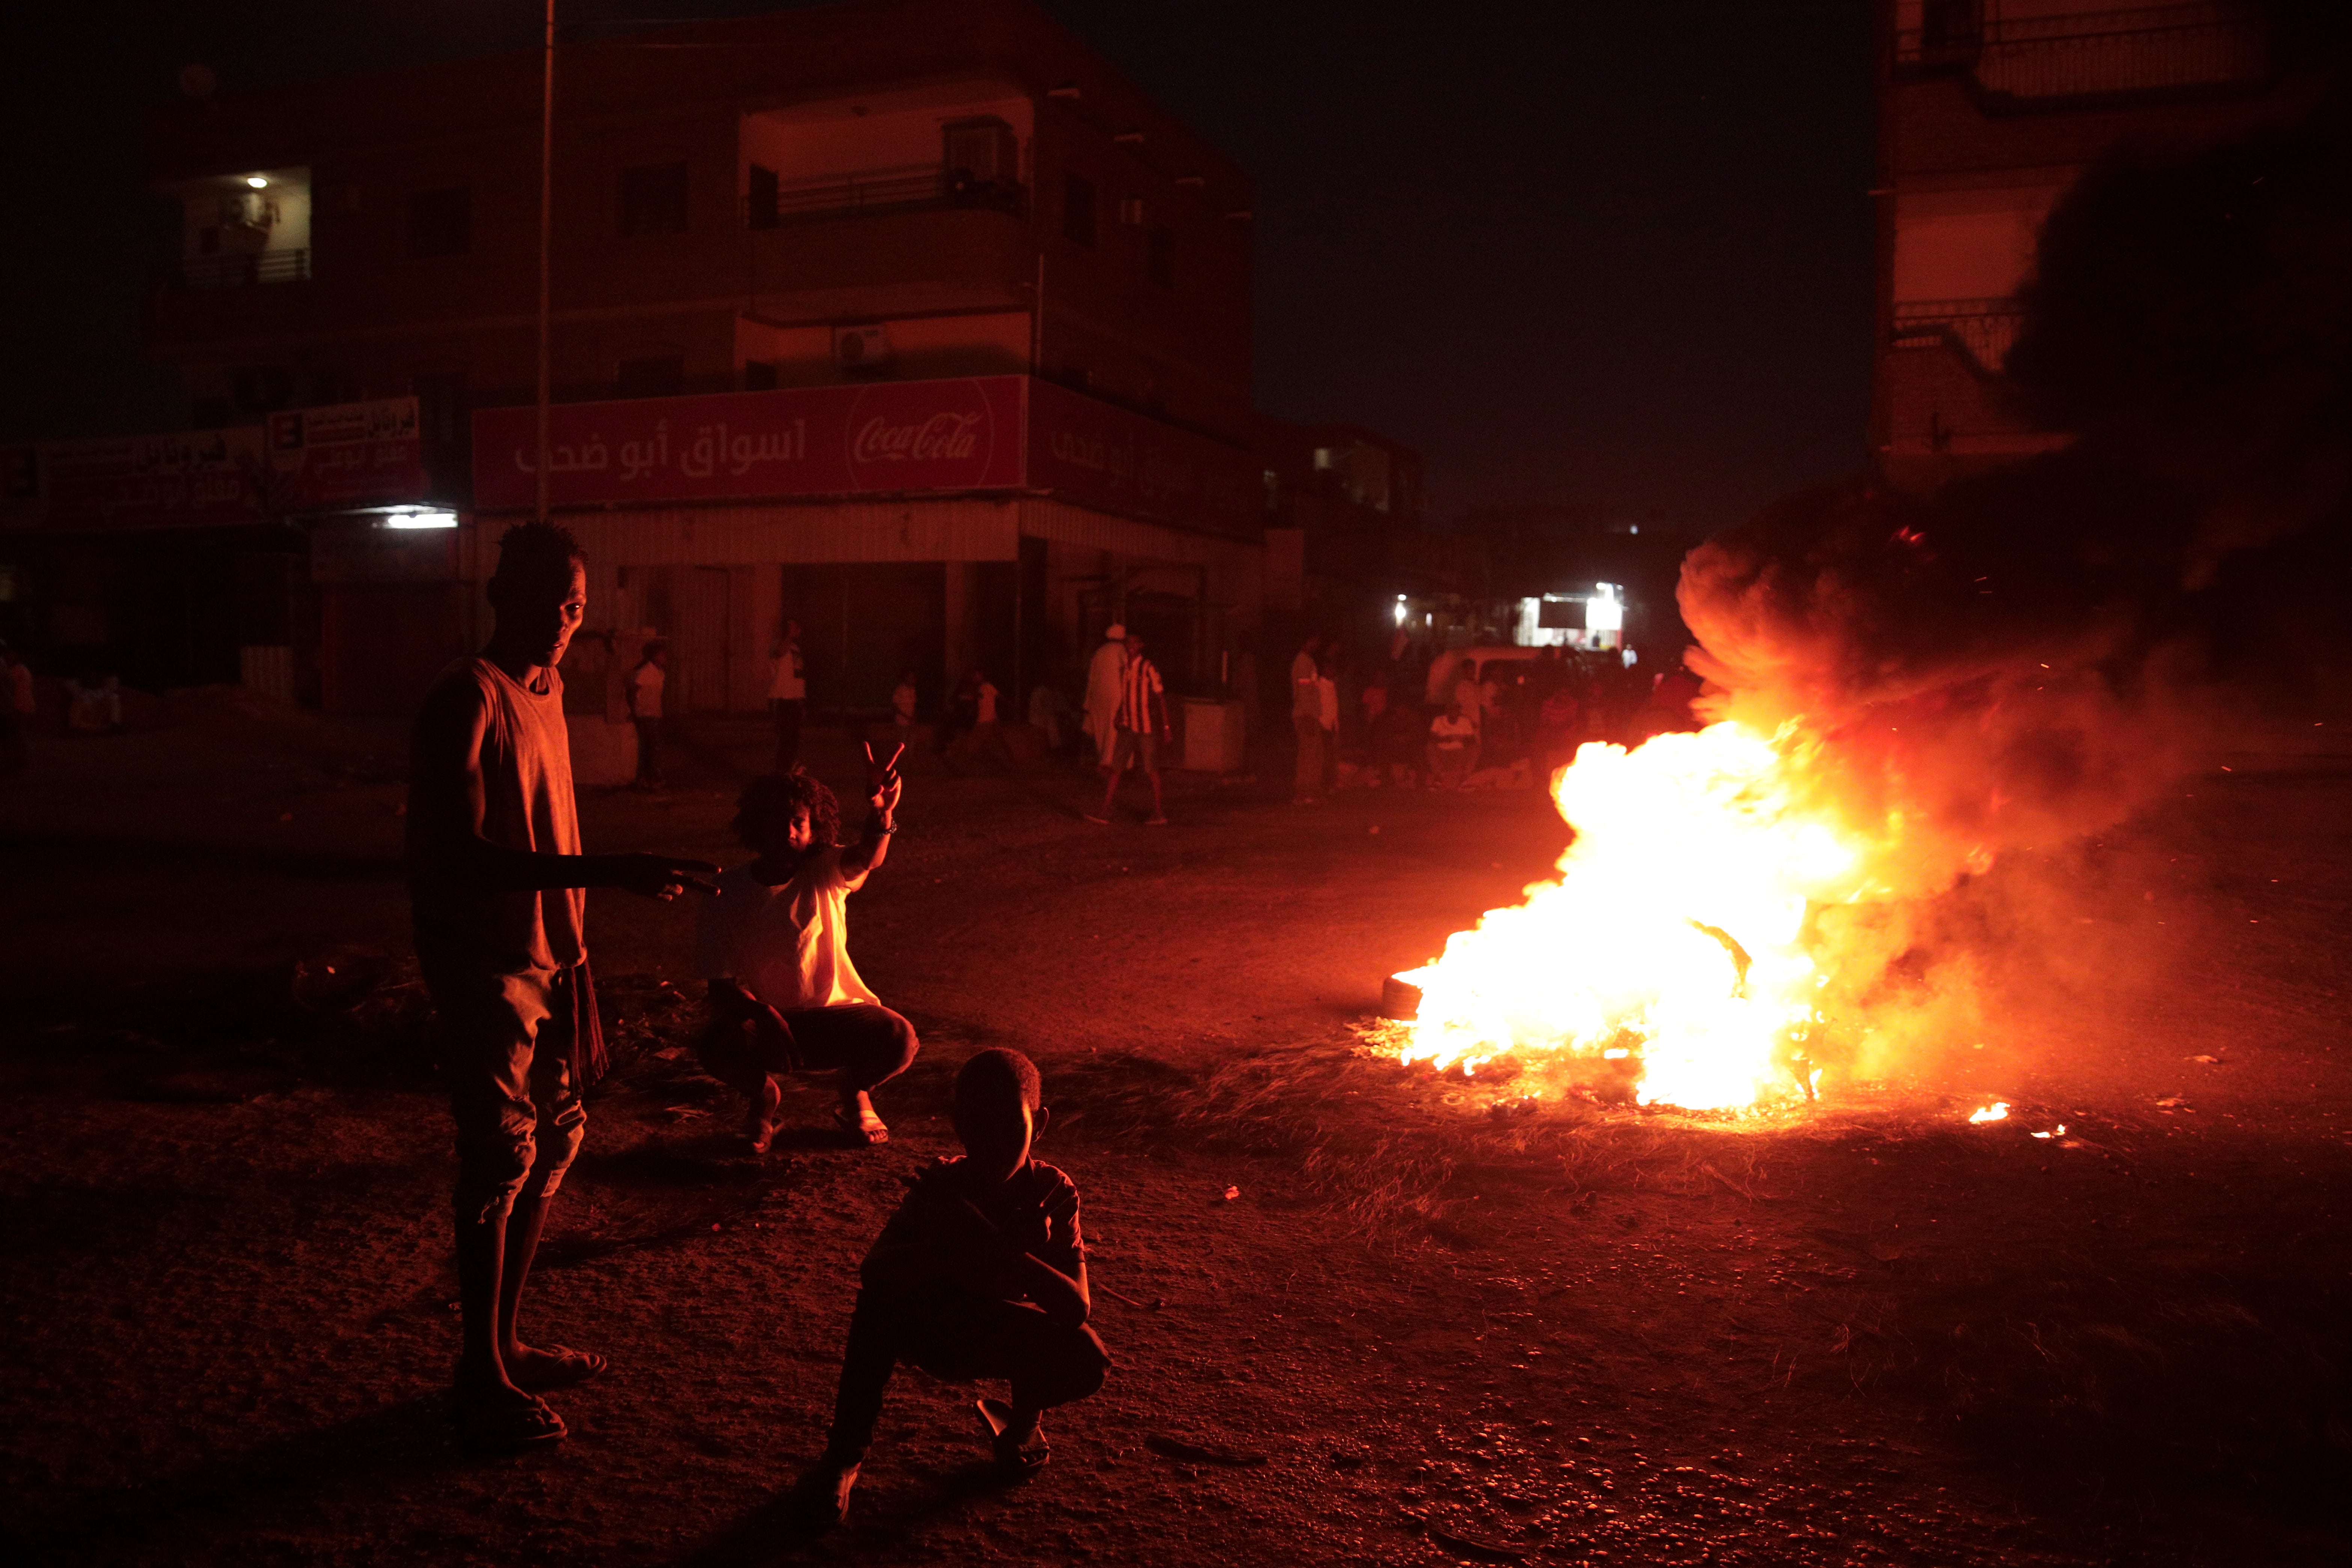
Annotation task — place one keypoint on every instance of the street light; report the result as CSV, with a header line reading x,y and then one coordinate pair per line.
x,y
546,205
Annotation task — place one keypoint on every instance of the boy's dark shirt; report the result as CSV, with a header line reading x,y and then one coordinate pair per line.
x,y
518,738
920,1257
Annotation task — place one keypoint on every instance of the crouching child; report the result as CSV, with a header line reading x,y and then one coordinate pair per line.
x,y
979,1274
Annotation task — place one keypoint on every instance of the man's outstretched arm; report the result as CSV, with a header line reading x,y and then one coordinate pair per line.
x,y
447,804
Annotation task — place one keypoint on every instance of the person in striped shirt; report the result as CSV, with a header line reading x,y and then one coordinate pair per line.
x,y
1138,727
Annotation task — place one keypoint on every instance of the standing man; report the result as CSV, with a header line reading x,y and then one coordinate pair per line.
x,y
643,689
1140,724
788,697
1106,688
1307,722
495,873
15,711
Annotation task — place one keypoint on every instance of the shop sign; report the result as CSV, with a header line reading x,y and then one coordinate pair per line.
x,y
885,438
345,455
905,437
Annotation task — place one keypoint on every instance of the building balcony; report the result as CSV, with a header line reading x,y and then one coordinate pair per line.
x,y
1983,330
2153,49
907,188
243,269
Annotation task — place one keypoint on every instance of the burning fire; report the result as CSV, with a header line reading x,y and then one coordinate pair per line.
x,y
1673,944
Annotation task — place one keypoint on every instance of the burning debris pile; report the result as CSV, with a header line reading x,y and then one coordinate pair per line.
x,y
1907,688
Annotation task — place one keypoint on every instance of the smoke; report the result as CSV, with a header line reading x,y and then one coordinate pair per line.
x,y
2028,657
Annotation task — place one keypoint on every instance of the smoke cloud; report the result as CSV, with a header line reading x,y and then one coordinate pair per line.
x,y
2026,657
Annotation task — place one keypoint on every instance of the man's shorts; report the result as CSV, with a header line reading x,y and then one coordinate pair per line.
x,y
505,1051
1139,747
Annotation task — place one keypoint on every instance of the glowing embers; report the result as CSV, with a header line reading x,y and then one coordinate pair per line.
x,y
1669,955
1996,1111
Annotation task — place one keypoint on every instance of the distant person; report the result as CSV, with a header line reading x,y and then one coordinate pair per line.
x,y
1326,715
788,695
773,947
1559,728
94,708
1453,747
16,712
1106,688
903,698
643,689
1467,694
495,873
964,709
1046,711
1307,724
1139,726
980,1273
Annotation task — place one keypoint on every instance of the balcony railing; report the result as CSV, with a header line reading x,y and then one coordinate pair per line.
x,y
879,190
1984,329
2150,48
241,269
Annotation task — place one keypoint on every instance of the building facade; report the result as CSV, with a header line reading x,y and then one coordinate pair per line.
x,y
946,223
1989,112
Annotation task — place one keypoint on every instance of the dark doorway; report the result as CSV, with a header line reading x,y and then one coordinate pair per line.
x,y
862,626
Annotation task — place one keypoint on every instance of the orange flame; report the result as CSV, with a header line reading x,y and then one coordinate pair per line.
x,y
1676,933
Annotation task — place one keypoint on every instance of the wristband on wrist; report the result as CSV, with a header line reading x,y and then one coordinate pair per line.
x,y
884,827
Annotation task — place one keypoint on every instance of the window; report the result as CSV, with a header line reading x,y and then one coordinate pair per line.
x,y
441,223
1077,209
758,375
1160,256
662,377
653,199
981,156
760,198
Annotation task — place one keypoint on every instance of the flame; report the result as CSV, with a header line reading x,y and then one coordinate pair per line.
x,y
1996,1111
1673,940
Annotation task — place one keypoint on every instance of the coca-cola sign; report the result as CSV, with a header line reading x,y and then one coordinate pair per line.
x,y
891,438
923,435
895,437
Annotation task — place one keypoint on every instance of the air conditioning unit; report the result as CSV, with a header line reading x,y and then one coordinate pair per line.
x,y
861,347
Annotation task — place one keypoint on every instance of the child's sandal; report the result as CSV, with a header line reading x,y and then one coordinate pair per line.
x,y
1014,1459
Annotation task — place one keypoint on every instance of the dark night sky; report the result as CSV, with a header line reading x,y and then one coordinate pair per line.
x,y
1610,252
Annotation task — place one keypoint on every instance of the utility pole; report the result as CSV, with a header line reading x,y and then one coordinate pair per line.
x,y
546,242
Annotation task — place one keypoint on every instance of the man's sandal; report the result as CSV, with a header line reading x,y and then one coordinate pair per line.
x,y
505,1427
564,1368
1016,1460
865,1128
820,1499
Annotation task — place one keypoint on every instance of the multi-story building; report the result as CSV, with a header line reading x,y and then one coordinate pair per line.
x,y
979,308
1989,110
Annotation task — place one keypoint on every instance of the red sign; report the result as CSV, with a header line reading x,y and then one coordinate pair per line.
x,y
345,455
304,460
196,478
891,438
886,438
1103,456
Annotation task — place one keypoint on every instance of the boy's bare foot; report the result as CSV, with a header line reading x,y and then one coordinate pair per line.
x,y
536,1371
760,1125
1017,1440
820,1500
857,1119
502,1416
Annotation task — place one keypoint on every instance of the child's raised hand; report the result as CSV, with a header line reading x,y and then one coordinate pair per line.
x,y
882,781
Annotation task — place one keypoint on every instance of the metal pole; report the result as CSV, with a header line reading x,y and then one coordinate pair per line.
x,y
546,206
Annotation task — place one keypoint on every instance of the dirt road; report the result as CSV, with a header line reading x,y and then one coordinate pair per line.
x,y
1418,1332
